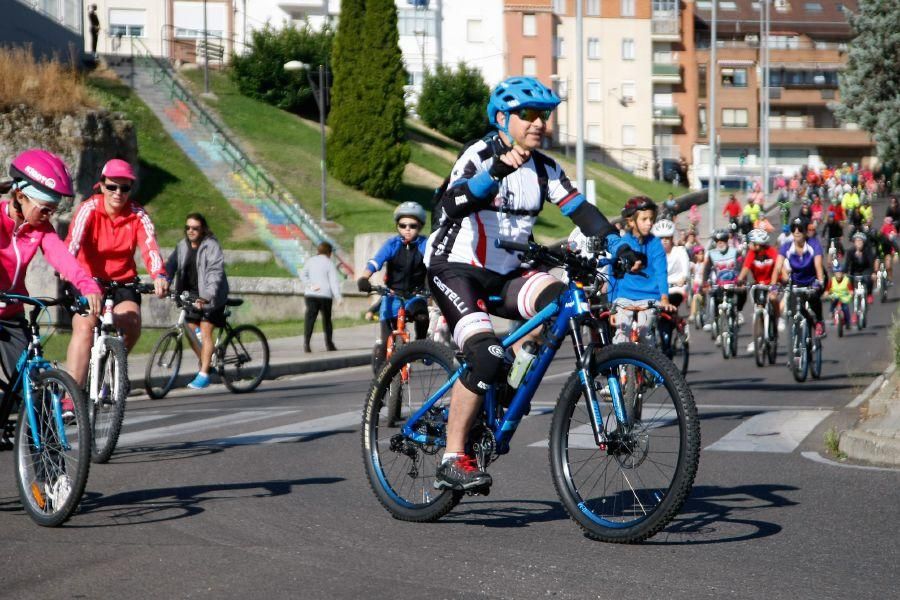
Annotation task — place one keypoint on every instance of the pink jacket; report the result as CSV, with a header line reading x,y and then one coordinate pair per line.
x,y
18,247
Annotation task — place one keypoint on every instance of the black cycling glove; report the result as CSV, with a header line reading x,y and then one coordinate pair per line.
x,y
500,169
627,257
364,285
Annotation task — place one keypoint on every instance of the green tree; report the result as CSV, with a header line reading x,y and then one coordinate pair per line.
x,y
367,145
870,84
453,102
260,73
347,116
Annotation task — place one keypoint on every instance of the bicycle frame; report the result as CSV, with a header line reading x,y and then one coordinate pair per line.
x,y
569,311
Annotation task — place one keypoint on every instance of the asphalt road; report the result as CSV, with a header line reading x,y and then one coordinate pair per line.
x,y
213,495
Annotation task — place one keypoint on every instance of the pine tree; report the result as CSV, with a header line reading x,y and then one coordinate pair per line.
x,y
347,117
870,85
387,151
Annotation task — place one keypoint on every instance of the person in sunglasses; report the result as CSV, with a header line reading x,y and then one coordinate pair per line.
x,y
40,181
198,267
800,262
105,231
404,257
496,191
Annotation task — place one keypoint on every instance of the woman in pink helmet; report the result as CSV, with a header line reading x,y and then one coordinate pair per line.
x,y
106,230
40,182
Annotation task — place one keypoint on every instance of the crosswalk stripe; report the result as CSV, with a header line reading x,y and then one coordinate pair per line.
x,y
293,432
140,437
774,431
135,420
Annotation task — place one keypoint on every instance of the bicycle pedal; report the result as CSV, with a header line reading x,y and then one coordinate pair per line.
x,y
481,491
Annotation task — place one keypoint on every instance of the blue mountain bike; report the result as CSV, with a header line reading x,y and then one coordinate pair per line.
x,y
52,434
624,439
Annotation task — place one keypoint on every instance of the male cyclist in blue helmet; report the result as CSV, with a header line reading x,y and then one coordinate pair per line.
x,y
496,191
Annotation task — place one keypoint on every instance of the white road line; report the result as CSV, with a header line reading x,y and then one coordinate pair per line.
x,y
140,437
293,432
778,431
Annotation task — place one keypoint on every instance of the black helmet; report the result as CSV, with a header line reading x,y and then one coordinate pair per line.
x,y
721,235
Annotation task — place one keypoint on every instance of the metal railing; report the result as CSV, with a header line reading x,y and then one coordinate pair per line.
x,y
665,26
238,160
673,70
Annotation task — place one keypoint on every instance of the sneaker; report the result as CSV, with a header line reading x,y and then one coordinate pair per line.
x,y
200,381
853,319
820,329
751,347
740,318
781,325
707,326
68,408
870,299
461,474
719,340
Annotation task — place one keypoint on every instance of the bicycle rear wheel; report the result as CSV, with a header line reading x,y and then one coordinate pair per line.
x,y
681,351
163,365
51,478
815,357
633,485
401,471
108,410
244,359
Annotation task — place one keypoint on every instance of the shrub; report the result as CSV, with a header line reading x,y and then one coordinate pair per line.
x,y
453,102
48,86
260,73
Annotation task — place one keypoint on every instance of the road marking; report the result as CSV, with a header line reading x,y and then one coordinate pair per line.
x,y
775,431
140,437
145,418
294,432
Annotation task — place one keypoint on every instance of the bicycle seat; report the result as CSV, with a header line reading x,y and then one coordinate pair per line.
x,y
234,302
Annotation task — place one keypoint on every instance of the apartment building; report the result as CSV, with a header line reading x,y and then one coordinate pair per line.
x,y
50,29
808,48
620,96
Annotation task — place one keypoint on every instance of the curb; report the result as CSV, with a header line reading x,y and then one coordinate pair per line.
x,y
863,444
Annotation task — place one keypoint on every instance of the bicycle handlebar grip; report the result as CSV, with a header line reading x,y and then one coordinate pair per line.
x,y
515,246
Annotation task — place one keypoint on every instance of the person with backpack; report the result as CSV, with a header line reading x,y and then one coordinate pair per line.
x,y
495,192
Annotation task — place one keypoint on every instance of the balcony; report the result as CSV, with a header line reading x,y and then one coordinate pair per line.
x,y
822,137
666,29
666,115
666,73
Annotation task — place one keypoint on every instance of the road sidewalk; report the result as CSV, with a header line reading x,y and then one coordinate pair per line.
x,y
876,437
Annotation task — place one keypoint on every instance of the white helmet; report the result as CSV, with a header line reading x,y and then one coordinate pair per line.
x,y
758,236
410,209
846,187
663,228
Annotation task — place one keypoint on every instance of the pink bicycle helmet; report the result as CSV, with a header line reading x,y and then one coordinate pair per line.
x,y
41,175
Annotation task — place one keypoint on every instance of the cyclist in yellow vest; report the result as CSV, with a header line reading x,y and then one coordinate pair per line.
x,y
752,211
840,292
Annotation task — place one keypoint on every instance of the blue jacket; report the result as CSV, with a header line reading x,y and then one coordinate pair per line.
x,y
637,287
405,263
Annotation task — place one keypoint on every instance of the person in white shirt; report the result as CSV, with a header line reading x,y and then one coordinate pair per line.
x,y
678,267
321,288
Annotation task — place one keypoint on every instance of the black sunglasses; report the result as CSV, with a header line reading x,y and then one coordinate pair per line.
x,y
192,228
532,114
113,187
408,225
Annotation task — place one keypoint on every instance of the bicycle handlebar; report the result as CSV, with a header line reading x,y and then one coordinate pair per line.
x,y
578,267
386,291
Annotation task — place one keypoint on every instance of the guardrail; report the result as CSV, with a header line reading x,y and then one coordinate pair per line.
x,y
239,161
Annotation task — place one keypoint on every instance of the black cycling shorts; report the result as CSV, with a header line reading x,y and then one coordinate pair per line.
x,y
14,335
119,295
216,316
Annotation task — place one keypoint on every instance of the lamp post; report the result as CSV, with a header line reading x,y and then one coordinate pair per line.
x,y
319,92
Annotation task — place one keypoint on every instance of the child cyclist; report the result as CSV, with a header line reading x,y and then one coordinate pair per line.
x,y
840,292
40,182
635,289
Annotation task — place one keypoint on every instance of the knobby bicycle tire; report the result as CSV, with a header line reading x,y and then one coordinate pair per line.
x,y
108,411
243,359
163,365
401,472
51,480
681,346
759,339
574,454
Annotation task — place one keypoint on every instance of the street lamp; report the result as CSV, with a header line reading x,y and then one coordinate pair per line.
x,y
319,93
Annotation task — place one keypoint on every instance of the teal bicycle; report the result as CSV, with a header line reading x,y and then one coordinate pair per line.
x,y
624,440
52,434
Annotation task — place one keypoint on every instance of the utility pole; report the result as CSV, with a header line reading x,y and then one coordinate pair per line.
x,y
765,98
438,32
579,84
712,71
205,53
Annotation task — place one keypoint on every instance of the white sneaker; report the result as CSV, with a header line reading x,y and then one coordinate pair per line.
x,y
719,340
781,325
740,319
751,347
707,327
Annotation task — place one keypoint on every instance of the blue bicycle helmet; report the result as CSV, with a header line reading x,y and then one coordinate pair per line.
x,y
519,92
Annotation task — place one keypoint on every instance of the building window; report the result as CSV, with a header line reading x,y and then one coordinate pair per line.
x,y
701,119
529,25
559,47
732,77
593,48
559,7
127,22
627,49
627,8
629,135
409,21
473,31
592,8
562,88
594,133
629,91
727,5
704,5
734,117
813,7
701,81
529,66
594,91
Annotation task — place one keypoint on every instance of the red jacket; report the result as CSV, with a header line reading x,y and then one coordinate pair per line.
x,y
105,246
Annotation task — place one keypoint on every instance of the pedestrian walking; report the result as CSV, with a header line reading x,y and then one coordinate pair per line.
x,y
95,27
320,280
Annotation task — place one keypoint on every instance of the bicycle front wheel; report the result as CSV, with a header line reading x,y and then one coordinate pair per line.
x,y
759,339
401,470
631,486
163,366
799,353
244,359
53,451
108,410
